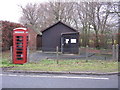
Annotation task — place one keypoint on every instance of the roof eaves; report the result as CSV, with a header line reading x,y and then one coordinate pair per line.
x,y
56,24
50,26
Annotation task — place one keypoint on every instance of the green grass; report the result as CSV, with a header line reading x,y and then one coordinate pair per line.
x,y
64,65
68,65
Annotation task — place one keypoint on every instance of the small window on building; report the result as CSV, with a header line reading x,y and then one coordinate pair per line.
x,y
73,41
66,41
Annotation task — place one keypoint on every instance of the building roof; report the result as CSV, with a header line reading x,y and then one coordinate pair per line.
x,y
70,33
56,24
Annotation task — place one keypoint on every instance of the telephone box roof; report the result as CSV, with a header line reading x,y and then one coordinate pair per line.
x,y
21,28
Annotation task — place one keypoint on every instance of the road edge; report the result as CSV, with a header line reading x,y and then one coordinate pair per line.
x,y
60,72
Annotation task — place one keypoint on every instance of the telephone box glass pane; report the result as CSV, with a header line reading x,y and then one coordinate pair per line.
x,y
19,40
19,46
19,58
19,43
19,55
19,49
19,52
19,36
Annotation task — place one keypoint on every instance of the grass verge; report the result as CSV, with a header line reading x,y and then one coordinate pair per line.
x,y
67,65
64,65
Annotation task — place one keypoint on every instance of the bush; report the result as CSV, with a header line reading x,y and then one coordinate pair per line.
x,y
7,33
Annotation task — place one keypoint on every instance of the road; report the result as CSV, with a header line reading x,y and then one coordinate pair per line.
x,y
58,81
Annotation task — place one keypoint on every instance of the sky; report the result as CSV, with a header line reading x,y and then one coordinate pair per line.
x,y
10,10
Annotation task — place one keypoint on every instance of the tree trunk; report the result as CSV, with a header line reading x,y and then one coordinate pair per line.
x,y
97,38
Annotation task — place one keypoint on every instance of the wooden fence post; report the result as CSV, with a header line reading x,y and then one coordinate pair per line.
x,y
79,51
11,53
113,52
28,52
117,52
87,53
57,54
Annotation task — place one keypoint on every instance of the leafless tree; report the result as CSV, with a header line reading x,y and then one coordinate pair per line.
x,y
95,15
88,18
44,14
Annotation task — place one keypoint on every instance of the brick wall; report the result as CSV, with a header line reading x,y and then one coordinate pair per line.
x,y
32,39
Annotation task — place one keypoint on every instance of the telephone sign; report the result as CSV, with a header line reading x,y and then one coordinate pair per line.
x,y
20,43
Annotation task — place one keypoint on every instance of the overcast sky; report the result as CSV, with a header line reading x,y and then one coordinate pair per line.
x,y
10,10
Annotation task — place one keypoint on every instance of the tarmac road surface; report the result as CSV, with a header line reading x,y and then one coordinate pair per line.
x,y
58,81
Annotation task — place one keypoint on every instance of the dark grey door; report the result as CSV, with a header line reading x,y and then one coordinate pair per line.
x,y
65,45
69,43
39,42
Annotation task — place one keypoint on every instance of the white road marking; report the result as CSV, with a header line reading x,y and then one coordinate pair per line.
x,y
69,77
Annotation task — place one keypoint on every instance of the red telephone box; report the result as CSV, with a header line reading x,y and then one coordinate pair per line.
x,y
20,43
